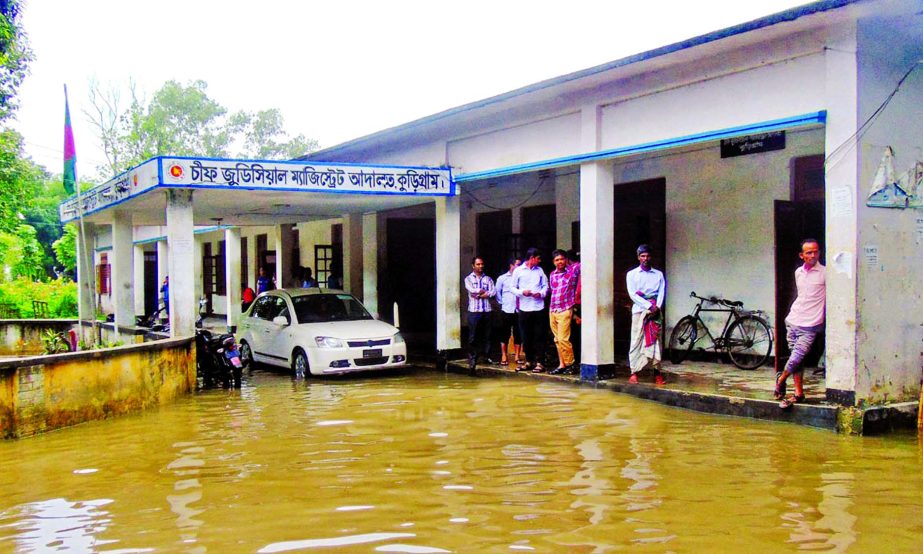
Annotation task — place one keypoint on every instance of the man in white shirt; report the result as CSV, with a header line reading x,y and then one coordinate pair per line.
x,y
530,285
509,305
647,288
805,319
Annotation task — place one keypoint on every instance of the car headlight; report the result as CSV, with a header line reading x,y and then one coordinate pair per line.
x,y
328,342
397,339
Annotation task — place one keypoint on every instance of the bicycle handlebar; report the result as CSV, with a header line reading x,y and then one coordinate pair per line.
x,y
719,301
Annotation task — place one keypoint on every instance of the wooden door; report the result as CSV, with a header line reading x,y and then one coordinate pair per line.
x,y
493,230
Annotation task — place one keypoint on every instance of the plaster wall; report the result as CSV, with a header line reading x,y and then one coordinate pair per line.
x,y
431,154
720,229
50,392
534,141
765,93
890,297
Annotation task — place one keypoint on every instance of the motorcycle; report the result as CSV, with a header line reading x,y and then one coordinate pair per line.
x,y
217,356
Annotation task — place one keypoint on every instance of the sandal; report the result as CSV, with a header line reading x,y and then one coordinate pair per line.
x,y
521,365
779,392
504,362
791,401
539,368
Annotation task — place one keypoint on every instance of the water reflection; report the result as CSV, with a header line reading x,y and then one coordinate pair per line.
x,y
433,463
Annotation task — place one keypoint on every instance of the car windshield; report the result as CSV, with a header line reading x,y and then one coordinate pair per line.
x,y
320,308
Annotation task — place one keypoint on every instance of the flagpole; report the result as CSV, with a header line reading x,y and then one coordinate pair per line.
x,y
83,235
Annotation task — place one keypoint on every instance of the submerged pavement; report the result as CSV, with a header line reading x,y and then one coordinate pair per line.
x,y
724,389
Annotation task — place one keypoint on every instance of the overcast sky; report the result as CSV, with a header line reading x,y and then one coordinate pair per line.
x,y
337,70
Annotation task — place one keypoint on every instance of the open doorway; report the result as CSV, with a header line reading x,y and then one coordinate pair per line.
x,y
803,217
639,218
410,279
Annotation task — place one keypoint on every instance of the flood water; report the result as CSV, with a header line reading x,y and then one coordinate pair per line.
x,y
427,462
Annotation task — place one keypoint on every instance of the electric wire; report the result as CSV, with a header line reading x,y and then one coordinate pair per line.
x,y
867,124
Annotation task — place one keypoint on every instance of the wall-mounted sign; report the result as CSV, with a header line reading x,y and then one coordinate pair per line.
x,y
261,175
752,144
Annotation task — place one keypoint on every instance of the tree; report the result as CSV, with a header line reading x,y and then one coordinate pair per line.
x,y
266,139
20,181
65,248
15,56
184,121
43,215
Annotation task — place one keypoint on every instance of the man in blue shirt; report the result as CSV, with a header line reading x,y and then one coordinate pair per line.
x,y
647,288
263,283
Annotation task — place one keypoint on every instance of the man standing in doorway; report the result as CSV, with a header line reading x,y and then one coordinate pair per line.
x,y
531,286
263,283
647,288
805,319
480,289
509,306
563,282
165,292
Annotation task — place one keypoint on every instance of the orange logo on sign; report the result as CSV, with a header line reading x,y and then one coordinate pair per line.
x,y
176,171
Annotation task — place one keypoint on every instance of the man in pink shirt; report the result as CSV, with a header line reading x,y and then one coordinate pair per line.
x,y
805,319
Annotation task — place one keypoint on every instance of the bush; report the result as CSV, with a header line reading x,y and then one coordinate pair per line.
x,y
60,294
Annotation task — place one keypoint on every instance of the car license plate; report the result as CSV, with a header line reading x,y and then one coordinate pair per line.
x,y
372,353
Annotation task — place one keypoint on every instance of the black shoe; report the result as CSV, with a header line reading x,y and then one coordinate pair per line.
x,y
492,362
558,371
472,362
572,369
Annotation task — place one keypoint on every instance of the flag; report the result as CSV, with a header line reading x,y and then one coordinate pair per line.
x,y
70,154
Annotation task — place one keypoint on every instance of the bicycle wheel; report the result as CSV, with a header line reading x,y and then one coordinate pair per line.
x,y
749,342
682,338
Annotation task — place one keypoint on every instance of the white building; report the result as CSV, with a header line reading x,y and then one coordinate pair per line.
x,y
722,151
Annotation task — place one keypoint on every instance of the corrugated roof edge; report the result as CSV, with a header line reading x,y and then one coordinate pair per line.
x,y
768,21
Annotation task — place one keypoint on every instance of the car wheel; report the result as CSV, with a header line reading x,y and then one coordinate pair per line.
x,y
300,366
246,356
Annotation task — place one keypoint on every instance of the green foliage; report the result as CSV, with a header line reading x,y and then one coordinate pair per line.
x,y
20,181
60,294
43,215
55,342
20,254
15,56
65,248
184,121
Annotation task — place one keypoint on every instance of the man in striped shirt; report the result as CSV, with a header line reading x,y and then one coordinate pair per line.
x,y
480,290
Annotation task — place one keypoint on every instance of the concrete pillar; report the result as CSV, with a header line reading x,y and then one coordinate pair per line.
x,y
86,276
138,278
596,239
232,274
198,270
842,199
122,268
163,266
180,237
448,273
283,245
352,254
370,262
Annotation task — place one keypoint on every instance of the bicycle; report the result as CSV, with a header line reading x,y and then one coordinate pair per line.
x,y
746,337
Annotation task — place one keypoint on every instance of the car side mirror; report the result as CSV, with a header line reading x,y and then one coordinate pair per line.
x,y
280,320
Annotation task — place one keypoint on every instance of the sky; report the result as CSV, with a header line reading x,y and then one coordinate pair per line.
x,y
337,70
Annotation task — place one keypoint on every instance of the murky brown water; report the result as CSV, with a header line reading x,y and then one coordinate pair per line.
x,y
423,462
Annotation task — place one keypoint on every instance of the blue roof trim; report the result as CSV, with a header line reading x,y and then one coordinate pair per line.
x,y
763,22
773,125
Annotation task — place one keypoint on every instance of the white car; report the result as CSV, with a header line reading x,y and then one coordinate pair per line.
x,y
320,331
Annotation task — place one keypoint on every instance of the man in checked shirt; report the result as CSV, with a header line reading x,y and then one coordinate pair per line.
x,y
563,281
480,289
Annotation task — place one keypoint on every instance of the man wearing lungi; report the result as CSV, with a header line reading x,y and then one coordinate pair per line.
x,y
647,288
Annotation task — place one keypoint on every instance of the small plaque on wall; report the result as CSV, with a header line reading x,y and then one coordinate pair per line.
x,y
752,144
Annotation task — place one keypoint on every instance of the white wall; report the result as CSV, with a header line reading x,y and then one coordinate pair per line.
x,y
720,231
890,295
766,93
